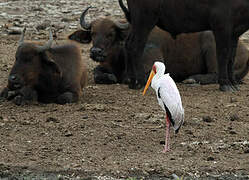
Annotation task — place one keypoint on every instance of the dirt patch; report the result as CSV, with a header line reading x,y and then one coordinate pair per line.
x,y
115,132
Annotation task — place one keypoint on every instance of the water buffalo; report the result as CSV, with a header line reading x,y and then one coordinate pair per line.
x,y
191,56
107,38
228,19
46,74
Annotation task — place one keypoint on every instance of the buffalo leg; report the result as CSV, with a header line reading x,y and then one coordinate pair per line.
x,y
210,78
4,93
224,52
135,44
231,64
25,96
134,49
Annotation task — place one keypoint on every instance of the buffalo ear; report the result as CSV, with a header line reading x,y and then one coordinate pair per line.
x,y
81,36
50,64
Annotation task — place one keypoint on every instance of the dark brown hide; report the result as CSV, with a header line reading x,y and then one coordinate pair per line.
x,y
189,55
194,55
228,19
107,44
57,74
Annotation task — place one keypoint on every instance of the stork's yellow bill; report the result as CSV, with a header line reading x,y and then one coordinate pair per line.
x,y
152,74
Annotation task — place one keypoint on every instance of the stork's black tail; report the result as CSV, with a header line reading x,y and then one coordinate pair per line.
x,y
125,10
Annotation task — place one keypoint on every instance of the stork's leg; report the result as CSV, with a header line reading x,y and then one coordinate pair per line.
x,y
167,137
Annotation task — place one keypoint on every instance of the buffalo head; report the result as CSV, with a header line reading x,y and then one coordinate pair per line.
x,y
104,33
31,61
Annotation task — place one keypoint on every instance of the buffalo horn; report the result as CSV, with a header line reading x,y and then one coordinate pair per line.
x,y
22,36
83,23
48,44
122,25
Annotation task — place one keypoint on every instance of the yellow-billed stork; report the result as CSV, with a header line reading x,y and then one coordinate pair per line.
x,y
168,98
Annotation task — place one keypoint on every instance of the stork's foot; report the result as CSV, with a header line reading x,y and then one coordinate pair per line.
x,y
166,150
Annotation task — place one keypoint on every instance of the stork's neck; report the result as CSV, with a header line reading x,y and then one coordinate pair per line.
x,y
159,73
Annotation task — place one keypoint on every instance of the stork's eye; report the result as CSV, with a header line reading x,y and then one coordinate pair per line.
x,y
154,68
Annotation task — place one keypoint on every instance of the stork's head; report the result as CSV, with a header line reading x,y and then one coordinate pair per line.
x,y
158,68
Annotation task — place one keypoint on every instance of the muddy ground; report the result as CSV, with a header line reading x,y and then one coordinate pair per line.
x,y
116,133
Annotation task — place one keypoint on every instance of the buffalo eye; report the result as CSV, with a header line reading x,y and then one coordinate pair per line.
x,y
93,34
110,35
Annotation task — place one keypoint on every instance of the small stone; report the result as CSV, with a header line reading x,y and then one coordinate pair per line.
x,y
2,124
66,20
43,25
37,9
246,151
51,119
210,158
26,123
14,30
59,149
234,117
233,100
187,131
85,117
207,119
68,134
232,132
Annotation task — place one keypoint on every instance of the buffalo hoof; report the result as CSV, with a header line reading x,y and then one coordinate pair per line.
x,y
112,78
7,94
228,88
189,81
4,93
126,80
105,78
236,87
12,94
67,97
19,100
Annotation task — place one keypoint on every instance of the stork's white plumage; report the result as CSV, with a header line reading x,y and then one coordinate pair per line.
x,y
168,98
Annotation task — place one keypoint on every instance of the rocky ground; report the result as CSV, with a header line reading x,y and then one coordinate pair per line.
x,y
113,132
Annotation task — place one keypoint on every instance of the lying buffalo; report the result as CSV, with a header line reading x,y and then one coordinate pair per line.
x,y
228,19
46,74
191,56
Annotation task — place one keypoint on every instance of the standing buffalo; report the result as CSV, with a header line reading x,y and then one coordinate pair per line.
x,y
47,74
191,56
228,19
